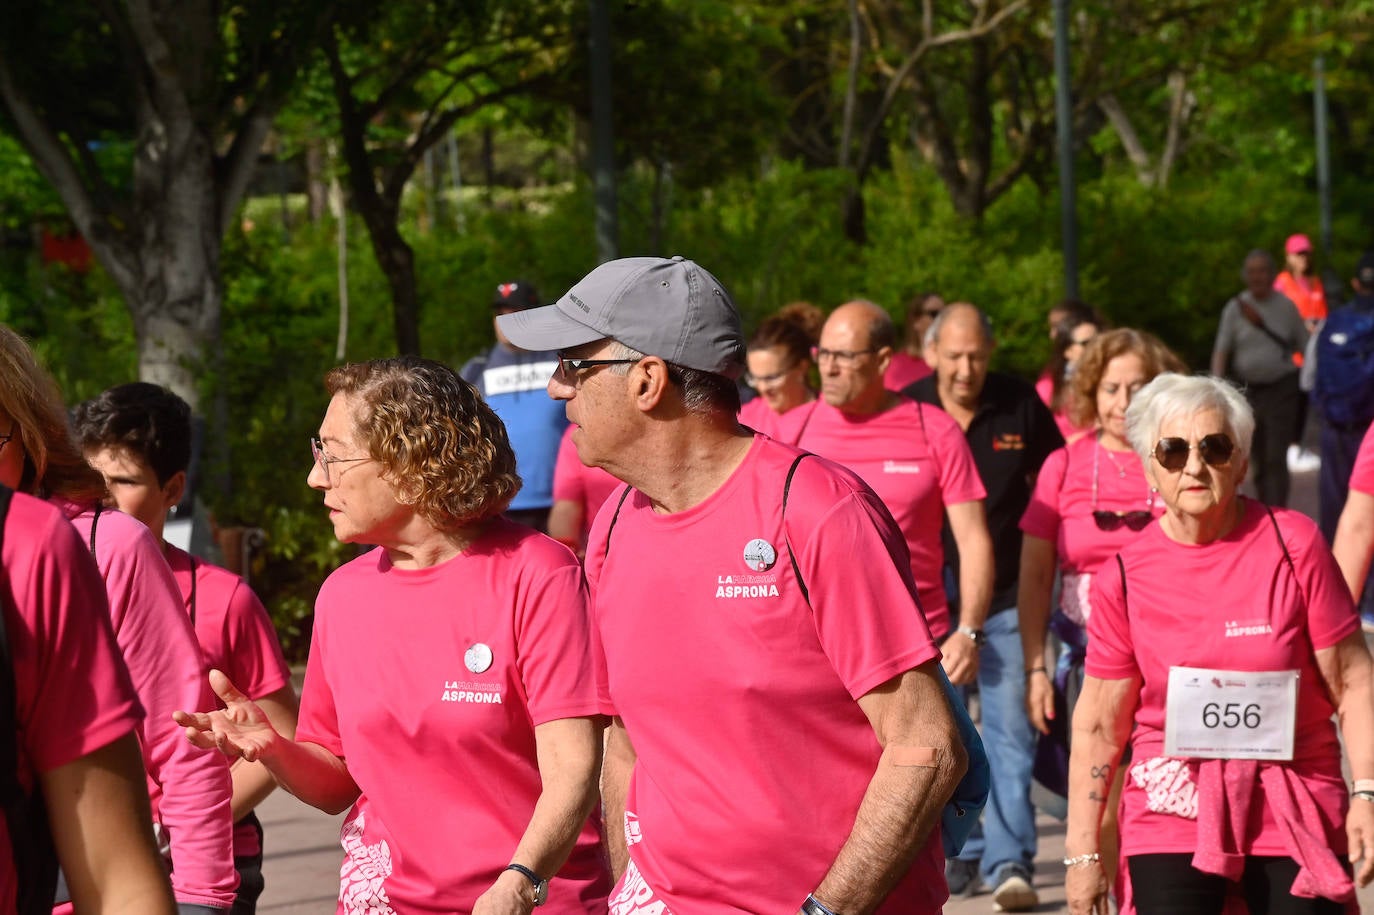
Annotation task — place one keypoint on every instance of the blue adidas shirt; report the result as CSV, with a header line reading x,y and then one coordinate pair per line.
x,y
515,384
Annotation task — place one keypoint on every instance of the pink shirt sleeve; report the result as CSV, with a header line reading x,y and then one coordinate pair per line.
x,y
596,554
1111,651
255,656
869,624
58,624
567,481
554,641
1331,612
959,479
1042,516
318,721
1362,476
192,787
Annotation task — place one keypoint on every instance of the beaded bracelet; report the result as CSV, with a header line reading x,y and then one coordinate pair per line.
x,y
1080,860
1364,796
1362,784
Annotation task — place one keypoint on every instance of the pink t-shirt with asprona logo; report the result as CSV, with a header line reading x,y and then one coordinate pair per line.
x,y
429,684
1233,604
739,696
915,457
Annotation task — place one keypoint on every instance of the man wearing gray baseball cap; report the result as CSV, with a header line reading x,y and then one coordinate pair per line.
x,y
780,739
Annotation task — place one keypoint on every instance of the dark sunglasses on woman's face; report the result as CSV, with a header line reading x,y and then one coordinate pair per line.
x,y
1215,450
1110,521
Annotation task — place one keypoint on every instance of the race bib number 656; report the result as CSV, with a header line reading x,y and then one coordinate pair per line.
x,y
1230,714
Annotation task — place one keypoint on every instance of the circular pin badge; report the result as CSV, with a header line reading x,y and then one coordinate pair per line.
x,y
477,658
759,555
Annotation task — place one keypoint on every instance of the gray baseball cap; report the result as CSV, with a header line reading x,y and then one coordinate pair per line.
x,y
666,307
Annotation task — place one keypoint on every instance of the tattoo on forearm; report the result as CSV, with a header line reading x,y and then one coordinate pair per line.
x,y
1102,772
1094,796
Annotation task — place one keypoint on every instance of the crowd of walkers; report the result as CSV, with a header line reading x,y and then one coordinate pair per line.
x,y
652,617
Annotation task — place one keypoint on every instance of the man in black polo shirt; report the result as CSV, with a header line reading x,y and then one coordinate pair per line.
x,y
1010,432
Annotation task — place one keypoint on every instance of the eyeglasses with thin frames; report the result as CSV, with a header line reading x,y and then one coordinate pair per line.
x,y
324,459
754,381
1215,450
845,358
570,367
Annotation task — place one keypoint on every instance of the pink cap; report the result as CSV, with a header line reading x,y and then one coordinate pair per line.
x,y
1297,243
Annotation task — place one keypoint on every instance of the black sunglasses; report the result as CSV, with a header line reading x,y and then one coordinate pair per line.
x,y
1110,521
1215,450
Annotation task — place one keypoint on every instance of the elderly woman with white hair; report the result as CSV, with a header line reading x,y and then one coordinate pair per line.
x,y
1221,643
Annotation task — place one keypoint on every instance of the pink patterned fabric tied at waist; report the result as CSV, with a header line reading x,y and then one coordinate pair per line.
x,y
1073,596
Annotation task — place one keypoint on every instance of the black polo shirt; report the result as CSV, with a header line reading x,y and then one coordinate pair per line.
x,y
1010,436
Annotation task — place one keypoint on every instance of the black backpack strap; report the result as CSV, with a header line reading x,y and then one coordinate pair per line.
x,y
1287,557
791,553
95,520
1121,567
624,494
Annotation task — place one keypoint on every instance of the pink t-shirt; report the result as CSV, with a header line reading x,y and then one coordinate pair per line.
x,y
189,788
903,370
739,697
1362,475
1233,604
236,636
56,621
916,458
1061,508
428,684
760,417
576,482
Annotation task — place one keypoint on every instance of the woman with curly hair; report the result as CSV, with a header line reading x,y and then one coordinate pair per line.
x,y
449,697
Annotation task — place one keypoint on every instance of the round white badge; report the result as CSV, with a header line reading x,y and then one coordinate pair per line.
x,y
477,658
759,555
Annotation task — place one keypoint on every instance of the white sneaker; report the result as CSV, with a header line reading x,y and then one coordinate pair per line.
x,y
1300,460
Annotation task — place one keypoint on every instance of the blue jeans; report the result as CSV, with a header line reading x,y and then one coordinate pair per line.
x,y
1007,832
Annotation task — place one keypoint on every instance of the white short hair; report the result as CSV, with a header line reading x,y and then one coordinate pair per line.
x,y
1170,395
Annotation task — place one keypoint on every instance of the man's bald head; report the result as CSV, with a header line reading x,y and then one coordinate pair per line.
x,y
855,347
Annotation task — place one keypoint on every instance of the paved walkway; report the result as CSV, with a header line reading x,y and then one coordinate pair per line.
x,y
302,849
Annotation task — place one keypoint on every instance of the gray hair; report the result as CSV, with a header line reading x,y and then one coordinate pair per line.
x,y
702,392
1170,395
933,332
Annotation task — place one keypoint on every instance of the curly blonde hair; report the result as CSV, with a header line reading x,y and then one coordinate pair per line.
x,y
444,451
53,463
1099,353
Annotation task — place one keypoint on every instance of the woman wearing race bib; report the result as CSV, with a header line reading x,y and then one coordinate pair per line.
x,y
1091,499
1221,642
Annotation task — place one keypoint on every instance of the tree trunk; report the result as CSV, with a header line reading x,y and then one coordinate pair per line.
x,y
855,216
397,261
173,291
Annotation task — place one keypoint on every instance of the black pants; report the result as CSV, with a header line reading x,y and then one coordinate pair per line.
x,y
251,883
1170,885
1276,409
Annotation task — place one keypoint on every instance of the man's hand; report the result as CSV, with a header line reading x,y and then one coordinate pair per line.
x,y
1040,699
960,659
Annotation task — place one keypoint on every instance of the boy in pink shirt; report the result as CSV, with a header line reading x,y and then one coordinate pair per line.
x,y
71,743
138,436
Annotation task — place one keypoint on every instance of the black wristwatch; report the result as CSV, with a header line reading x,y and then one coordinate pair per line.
x,y
975,635
541,886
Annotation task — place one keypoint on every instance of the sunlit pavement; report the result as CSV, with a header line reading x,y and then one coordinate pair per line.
x,y
303,855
